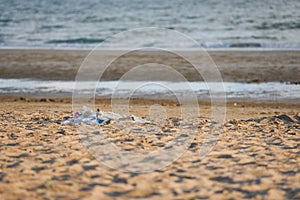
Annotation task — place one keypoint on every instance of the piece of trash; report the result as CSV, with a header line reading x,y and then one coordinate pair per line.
x,y
88,116
100,121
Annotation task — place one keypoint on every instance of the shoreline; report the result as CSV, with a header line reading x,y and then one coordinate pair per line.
x,y
233,91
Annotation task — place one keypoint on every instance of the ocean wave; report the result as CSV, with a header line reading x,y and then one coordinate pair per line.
x,y
245,45
278,26
63,44
76,41
269,91
47,27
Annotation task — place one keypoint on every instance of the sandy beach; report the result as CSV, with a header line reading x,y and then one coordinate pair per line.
x,y
256,156
149,100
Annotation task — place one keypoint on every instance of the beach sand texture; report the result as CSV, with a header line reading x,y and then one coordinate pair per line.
x,y
256,156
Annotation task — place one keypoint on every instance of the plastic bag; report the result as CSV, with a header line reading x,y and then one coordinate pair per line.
x,y
88,116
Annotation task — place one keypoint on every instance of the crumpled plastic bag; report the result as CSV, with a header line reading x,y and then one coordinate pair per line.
x,y
88,116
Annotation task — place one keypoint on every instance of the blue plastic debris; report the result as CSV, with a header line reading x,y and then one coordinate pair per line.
x,y
100,121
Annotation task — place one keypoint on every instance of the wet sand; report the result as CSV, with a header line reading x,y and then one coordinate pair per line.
x,y
255,157
234,66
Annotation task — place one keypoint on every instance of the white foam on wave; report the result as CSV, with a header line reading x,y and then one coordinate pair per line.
x,y
268,91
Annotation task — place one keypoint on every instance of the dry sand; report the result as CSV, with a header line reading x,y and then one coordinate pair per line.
x,y
256,156
234,66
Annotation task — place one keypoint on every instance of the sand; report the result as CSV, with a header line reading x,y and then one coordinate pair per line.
x,y
234,66
256,155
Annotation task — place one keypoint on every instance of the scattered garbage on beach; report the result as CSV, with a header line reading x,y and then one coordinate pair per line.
x,y
88,116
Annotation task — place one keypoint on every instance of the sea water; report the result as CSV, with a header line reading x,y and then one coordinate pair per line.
x,y
269,91
212,23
